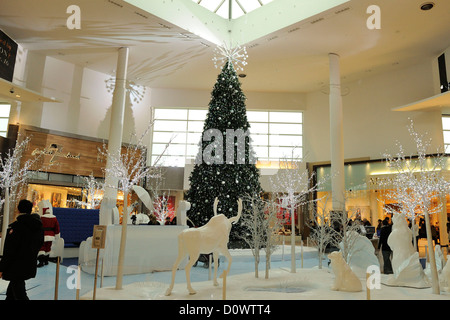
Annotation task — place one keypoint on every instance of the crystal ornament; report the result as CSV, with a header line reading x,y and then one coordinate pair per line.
x,y
137,92
237,56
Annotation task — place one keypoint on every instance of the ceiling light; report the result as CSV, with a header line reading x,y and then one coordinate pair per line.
x,y
242,75
427,6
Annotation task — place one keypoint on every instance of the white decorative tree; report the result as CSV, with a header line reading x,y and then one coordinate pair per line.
x,y
92,188
12,175
419,184
345,230
253,223
262,224
130,169
162,208
322,233
293,187
271,225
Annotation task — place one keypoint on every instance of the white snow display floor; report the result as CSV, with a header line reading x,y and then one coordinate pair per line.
x,y
307,283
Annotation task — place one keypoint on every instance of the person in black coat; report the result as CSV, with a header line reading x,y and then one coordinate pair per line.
x,y
385,249
23,240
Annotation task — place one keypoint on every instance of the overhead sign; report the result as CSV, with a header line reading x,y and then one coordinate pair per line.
x,y
8,52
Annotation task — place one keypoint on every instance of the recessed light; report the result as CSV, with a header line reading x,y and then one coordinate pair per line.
x,y
242,75
427,6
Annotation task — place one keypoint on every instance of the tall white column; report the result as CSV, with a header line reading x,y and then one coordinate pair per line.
x,y
115,136
336,135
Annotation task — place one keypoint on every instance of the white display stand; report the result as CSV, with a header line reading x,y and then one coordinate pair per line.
x,y
149,248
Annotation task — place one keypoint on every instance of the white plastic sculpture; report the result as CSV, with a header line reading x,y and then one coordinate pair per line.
x,y
183,207
345,279
400,241
405,260
212,237
142,218
361,253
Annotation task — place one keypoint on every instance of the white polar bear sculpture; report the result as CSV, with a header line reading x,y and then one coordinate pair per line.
x,y
400,241
405,260
212,237
361,254
345,278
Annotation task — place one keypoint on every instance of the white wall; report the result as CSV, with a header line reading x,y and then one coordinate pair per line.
x,y
86,103
371,128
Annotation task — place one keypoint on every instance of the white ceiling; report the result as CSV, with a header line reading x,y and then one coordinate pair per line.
x,y
292,59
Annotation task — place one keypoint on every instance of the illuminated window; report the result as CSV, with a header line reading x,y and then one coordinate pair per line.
x,y
4,118
183,129
276,135
446,128
231,9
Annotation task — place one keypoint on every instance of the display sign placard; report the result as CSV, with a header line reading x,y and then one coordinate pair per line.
x,y
8,52
99,237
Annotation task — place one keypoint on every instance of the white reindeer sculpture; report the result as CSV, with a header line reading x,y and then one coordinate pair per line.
x,y
212,237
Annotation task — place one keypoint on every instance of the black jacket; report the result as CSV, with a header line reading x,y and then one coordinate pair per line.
x,y
384,235
23,240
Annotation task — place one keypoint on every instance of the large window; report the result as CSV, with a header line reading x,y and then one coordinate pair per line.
x,y
4,119
183,129
446,127
275,135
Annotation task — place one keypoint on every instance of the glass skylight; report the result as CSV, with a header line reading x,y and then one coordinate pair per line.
x,y
231,9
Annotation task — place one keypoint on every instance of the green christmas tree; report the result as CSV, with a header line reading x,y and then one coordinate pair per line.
x,y
225,165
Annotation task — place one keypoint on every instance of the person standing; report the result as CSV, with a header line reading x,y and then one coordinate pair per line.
x,y
23,240
385,249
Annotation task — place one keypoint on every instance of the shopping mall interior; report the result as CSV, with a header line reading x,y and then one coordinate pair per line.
x,y
332,84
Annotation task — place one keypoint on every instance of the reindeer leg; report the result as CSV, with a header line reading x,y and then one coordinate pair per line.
x,y
216,264
180,257
192,259
226,253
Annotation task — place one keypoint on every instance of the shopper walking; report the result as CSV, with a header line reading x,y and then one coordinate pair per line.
x,y
385,249
23,240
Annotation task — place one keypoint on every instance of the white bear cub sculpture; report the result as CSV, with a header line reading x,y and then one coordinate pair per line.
x,y
345,278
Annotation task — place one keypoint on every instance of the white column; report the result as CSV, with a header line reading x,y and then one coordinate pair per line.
x,y
115,136
336,135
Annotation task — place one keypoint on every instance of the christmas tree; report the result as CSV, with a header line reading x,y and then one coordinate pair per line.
x,y
225,164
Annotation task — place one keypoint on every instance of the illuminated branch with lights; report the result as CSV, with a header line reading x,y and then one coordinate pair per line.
x,y
418,186
12,175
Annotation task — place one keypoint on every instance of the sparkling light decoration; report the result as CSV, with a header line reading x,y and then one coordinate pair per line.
x,y
418,185
237,56
136,91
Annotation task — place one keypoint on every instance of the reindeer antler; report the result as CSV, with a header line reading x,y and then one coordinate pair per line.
x,y
216,202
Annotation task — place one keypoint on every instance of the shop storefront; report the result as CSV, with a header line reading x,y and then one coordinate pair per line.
x,y
369,192
67,169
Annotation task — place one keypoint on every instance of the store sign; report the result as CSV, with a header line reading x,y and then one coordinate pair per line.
x,y
55,151
8,52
